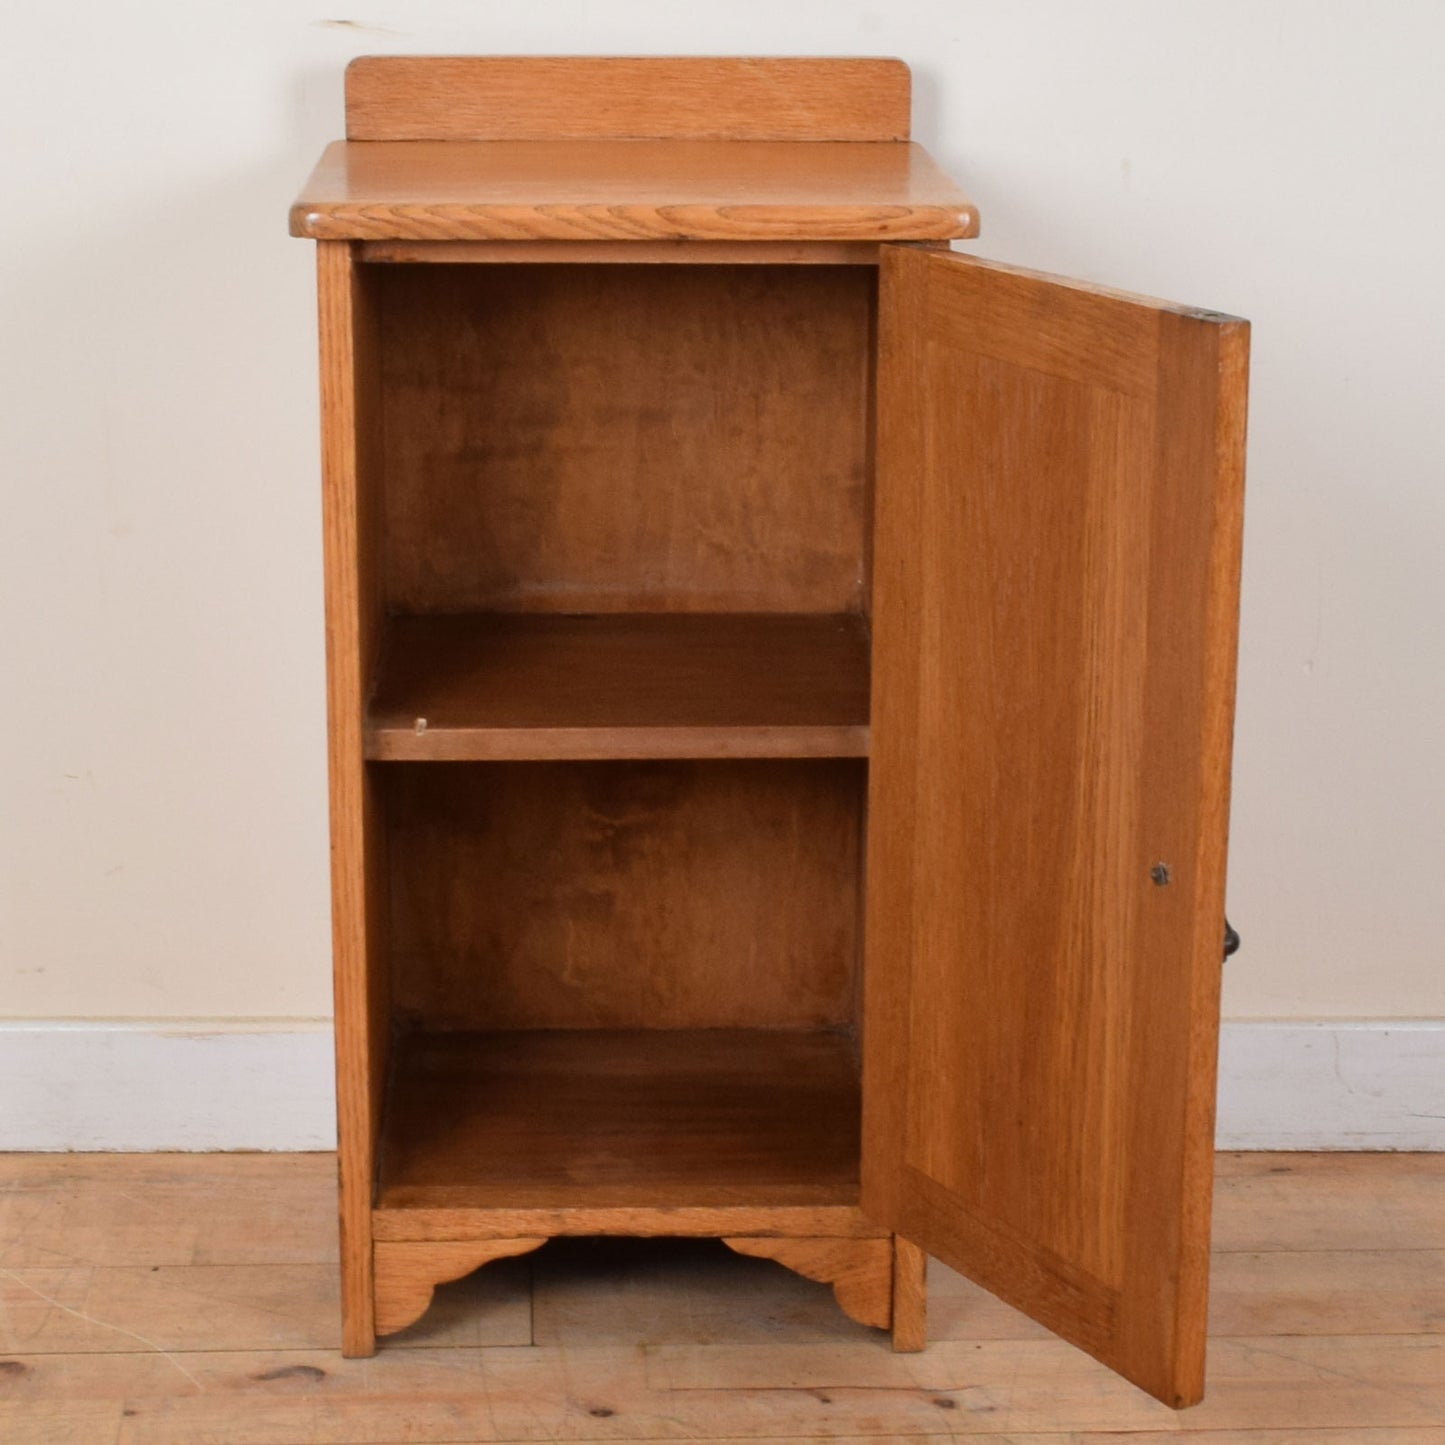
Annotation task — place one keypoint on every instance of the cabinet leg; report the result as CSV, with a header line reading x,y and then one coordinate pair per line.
x,y
358,1318
358,1339
910,1296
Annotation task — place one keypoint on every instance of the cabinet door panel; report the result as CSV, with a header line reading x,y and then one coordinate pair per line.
x,y
1055,591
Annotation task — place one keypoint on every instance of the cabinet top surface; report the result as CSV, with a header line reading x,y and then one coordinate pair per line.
x,y
621,190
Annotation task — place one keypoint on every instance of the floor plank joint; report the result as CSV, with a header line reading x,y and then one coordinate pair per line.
x,y
1328,1325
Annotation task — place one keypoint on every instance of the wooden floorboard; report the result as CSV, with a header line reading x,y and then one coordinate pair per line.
x,y
180,1300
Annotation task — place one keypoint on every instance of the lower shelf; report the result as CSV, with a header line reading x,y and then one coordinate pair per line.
x,y
580,1121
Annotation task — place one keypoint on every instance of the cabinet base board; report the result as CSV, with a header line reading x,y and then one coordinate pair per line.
x,y
464,1226
860,1270
877,1280
406,1275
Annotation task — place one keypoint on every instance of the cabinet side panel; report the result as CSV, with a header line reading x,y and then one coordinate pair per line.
x,y
895,613
870,515
354,609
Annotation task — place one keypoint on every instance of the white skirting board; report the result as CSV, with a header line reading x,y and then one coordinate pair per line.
x,y
1342,1084
1367,1084
167,1085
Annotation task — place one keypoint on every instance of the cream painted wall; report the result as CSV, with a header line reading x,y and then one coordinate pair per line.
x,y
163,833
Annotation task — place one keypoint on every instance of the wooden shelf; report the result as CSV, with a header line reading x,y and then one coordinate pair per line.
x,y
531,686
589,1119
630,190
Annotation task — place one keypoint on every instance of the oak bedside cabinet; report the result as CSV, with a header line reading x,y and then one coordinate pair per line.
x,y
780,684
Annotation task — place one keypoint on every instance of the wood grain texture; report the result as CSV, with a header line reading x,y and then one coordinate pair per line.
x,y
625,438
406,1275
518,686
1257,1382
1296,1292
625,253
1058,533
1319,1336
1269,1202
612,1210
859,1270
1203,388
586,1117
258,1306
1328,1389
640,190
1323,1391
354,608
626,895
81,1308
537,97
134,1210
910,1296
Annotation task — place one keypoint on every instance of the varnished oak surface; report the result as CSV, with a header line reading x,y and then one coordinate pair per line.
x,y
624,438
407,1274
626,894
172,1299
351,524
1056,571
537,97
572,1119
629,253
463,1225
637,190
860,1270
619,686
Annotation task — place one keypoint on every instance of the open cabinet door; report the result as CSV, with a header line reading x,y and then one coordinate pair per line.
x,y
1056,574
